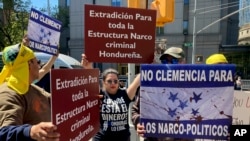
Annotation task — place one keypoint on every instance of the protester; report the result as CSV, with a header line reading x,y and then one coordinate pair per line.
x,y
237,83
114,105
173,55
212,60
25,108
221,59
216,59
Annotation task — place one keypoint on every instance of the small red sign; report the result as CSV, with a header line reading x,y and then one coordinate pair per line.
x,y
75,103
119,34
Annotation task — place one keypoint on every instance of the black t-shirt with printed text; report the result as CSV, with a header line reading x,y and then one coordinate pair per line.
x,y
114,118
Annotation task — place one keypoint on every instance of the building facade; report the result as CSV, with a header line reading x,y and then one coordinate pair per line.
x,y
239,53
178,33
244,23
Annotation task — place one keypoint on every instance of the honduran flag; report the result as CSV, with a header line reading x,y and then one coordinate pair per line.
x,y
44,32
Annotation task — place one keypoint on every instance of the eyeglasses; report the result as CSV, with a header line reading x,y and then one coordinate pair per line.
x,y
112,81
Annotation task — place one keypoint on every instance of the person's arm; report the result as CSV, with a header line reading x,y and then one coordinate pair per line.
x,y
26,40
136,117
131,90
46,68
42,131
11,133
135,112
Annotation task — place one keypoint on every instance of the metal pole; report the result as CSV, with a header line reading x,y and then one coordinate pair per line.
x,y
48,7
194,35
131,73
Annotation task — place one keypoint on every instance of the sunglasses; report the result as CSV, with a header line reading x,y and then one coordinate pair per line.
x,y
112,81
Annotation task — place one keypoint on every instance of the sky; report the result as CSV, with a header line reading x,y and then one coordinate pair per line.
x,y
38,4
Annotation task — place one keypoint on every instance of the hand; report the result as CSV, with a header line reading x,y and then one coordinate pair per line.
x,y
85,63
26,40
140,130
57,53
44,131
100,96
100,99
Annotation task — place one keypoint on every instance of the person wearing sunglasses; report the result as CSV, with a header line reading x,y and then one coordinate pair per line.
x,y
114,108
173,55
25,108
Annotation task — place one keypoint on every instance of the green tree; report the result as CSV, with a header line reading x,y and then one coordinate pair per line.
x,y
13,21
62,14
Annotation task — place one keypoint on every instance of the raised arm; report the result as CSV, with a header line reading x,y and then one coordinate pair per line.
x,y
131,90
46,68
85,63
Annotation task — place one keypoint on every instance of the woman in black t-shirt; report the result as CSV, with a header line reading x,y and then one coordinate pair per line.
x,y
114,108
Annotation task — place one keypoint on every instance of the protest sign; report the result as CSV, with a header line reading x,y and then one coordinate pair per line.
x,y
43,32
75,103
241,108
119,34
187,101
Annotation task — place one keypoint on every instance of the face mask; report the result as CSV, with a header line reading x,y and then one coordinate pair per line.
x,y
173,61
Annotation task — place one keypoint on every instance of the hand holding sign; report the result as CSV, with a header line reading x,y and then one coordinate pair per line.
x,y
85,63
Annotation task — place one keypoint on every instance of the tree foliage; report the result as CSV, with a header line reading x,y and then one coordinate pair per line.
x,y
13,21
14,17
62,15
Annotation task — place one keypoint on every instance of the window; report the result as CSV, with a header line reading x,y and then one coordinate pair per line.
x,y
67,3
185,27
116,3
186,2
1,5
160,30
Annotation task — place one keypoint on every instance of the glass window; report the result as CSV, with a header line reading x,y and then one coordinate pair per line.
x,y
185,27
67,2
116,3
1,5
186,2
160,30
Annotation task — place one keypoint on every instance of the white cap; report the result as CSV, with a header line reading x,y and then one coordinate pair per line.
x,y
176,52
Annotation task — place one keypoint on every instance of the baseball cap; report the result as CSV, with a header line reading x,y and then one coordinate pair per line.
x,y
176,52
216,59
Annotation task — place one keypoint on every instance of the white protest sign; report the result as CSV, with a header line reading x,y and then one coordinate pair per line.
x,y
43,32
241,108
